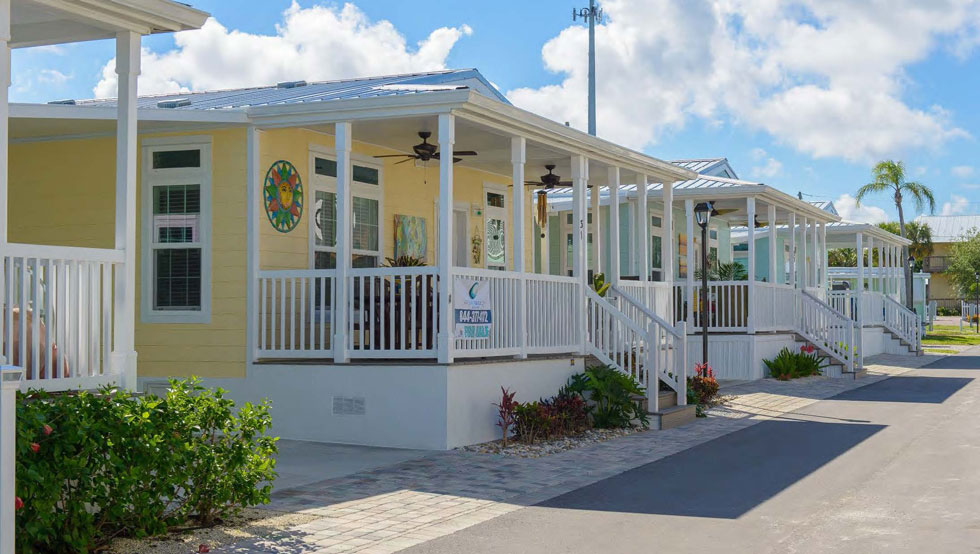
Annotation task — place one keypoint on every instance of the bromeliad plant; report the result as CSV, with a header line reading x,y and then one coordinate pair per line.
x,y
789,364
702,388
599,284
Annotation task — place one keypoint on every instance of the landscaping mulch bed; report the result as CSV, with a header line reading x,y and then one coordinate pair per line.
x,y
250,523
547,447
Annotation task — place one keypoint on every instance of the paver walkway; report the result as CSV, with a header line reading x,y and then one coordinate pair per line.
x,y
391,508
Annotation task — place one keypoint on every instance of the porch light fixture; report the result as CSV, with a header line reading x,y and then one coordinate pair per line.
x,y
702,214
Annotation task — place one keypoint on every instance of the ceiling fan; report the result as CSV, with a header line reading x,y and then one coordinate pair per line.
x,y
548,181
426,151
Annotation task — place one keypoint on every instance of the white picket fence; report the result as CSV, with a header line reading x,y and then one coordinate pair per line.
x,y
56,314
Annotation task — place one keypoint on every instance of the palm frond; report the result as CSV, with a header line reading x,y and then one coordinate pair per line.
x,y
870,188
921,194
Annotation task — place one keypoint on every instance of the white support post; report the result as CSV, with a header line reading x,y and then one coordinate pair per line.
x,y
870,264
123,357
10,378
792,250
518,148
689,216
253,196
858,297
596,229
823,257
580,183
814,278
447,138
614,237
805,265
341,302
750,318
643,229
667,246
771,219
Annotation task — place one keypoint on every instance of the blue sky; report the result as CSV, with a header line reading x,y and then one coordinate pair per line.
x,y
804,96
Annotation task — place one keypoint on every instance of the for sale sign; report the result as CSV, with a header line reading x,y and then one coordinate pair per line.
x,y
474,316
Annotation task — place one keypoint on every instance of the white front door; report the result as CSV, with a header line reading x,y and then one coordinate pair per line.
x,y
461,251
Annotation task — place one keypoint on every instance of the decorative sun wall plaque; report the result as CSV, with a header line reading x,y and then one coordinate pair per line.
x,y
283,195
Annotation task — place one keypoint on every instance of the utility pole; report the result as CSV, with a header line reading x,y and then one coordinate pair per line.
x,y
592,14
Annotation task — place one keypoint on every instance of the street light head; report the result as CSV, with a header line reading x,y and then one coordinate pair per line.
x,y
911,261
702,213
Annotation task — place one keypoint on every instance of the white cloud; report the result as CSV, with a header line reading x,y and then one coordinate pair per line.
x,y
770,166
957,205
849,210
316,43
52,77
962,171
789,68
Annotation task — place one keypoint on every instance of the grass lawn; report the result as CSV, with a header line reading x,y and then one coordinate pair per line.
x,y
944,335
941,351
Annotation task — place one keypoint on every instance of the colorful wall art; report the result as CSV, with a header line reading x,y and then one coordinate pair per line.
x,y
410,236
283,196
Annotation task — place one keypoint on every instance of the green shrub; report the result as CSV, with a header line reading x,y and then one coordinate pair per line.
x,y
95,466
789,364
611,394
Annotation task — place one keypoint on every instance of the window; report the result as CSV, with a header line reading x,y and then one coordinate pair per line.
x,y
176,231
365,214
495,239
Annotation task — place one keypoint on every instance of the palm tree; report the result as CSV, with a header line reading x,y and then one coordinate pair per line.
x,y
919,233
889,176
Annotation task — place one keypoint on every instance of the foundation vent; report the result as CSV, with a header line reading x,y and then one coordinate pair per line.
x,y
348,405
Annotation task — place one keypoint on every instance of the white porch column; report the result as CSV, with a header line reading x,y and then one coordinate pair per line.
x,y
823,257
771,219
667,242
792,250
689,216
518,146
750,211
614,237
580,183
342,144
814,277
642,229
804,265
10,378
447,137
870,264
4,114
858,298
123,358
596,229
252,214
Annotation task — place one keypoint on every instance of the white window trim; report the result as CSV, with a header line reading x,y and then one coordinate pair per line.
x,y
324,183
498,213
177,176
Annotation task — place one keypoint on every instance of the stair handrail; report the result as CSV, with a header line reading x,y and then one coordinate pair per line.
x,y
829,329
669,357
903,322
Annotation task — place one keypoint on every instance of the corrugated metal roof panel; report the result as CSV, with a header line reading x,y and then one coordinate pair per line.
x,y
949,228
698,165
414,83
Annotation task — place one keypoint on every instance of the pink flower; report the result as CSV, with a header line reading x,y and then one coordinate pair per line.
x,y
47,429
803,348
809,349
35,447
18,503
203,548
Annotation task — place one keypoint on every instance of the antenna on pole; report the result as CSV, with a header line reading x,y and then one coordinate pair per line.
x,y
591,14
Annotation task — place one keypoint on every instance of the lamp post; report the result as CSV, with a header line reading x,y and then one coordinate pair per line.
x,y
910,261
702,214
976,298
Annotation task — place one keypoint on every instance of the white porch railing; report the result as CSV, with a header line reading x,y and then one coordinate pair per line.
x,y
844,301
56,314
903,322
295,313
773,307
668,355
873,308
728,306
393,312
552,306
653,295
828,329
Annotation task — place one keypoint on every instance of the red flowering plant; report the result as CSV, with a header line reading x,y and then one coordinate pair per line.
x,y
505,413
702,388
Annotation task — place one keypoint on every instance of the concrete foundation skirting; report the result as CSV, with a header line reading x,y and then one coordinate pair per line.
x,y
424,406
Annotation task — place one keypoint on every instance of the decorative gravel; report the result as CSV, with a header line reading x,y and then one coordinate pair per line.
x,y
545,448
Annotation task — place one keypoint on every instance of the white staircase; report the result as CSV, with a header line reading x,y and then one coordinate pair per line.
x,y
829,330
903,324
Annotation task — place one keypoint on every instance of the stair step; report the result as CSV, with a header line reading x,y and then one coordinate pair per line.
x,y
856,374
668,399
668,418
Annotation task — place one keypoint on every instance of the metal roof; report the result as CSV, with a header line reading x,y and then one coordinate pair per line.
x,y
835,229
699,165
949,228
298,92
825,205
703,182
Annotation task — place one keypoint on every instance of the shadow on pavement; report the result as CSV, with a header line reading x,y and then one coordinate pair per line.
x,y
726,477
914,389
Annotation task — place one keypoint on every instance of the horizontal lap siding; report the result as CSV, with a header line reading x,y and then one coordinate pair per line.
x,y
63,193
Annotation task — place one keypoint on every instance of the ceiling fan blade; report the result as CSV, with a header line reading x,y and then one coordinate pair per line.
x,y
464,153
410,158
565,183
533,183
396,156
457,160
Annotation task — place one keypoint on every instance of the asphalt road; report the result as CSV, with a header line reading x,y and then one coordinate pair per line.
x,y
890,467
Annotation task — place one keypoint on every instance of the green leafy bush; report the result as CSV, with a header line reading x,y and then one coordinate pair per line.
x,y
559,416
789,364
95,466
612,395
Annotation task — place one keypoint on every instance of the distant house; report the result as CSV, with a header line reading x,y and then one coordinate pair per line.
x,y
946,230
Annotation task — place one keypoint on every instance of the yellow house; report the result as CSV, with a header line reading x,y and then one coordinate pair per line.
x,y
268,221
946,230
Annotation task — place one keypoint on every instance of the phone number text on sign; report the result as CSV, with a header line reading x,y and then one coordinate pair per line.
x,y
473,315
